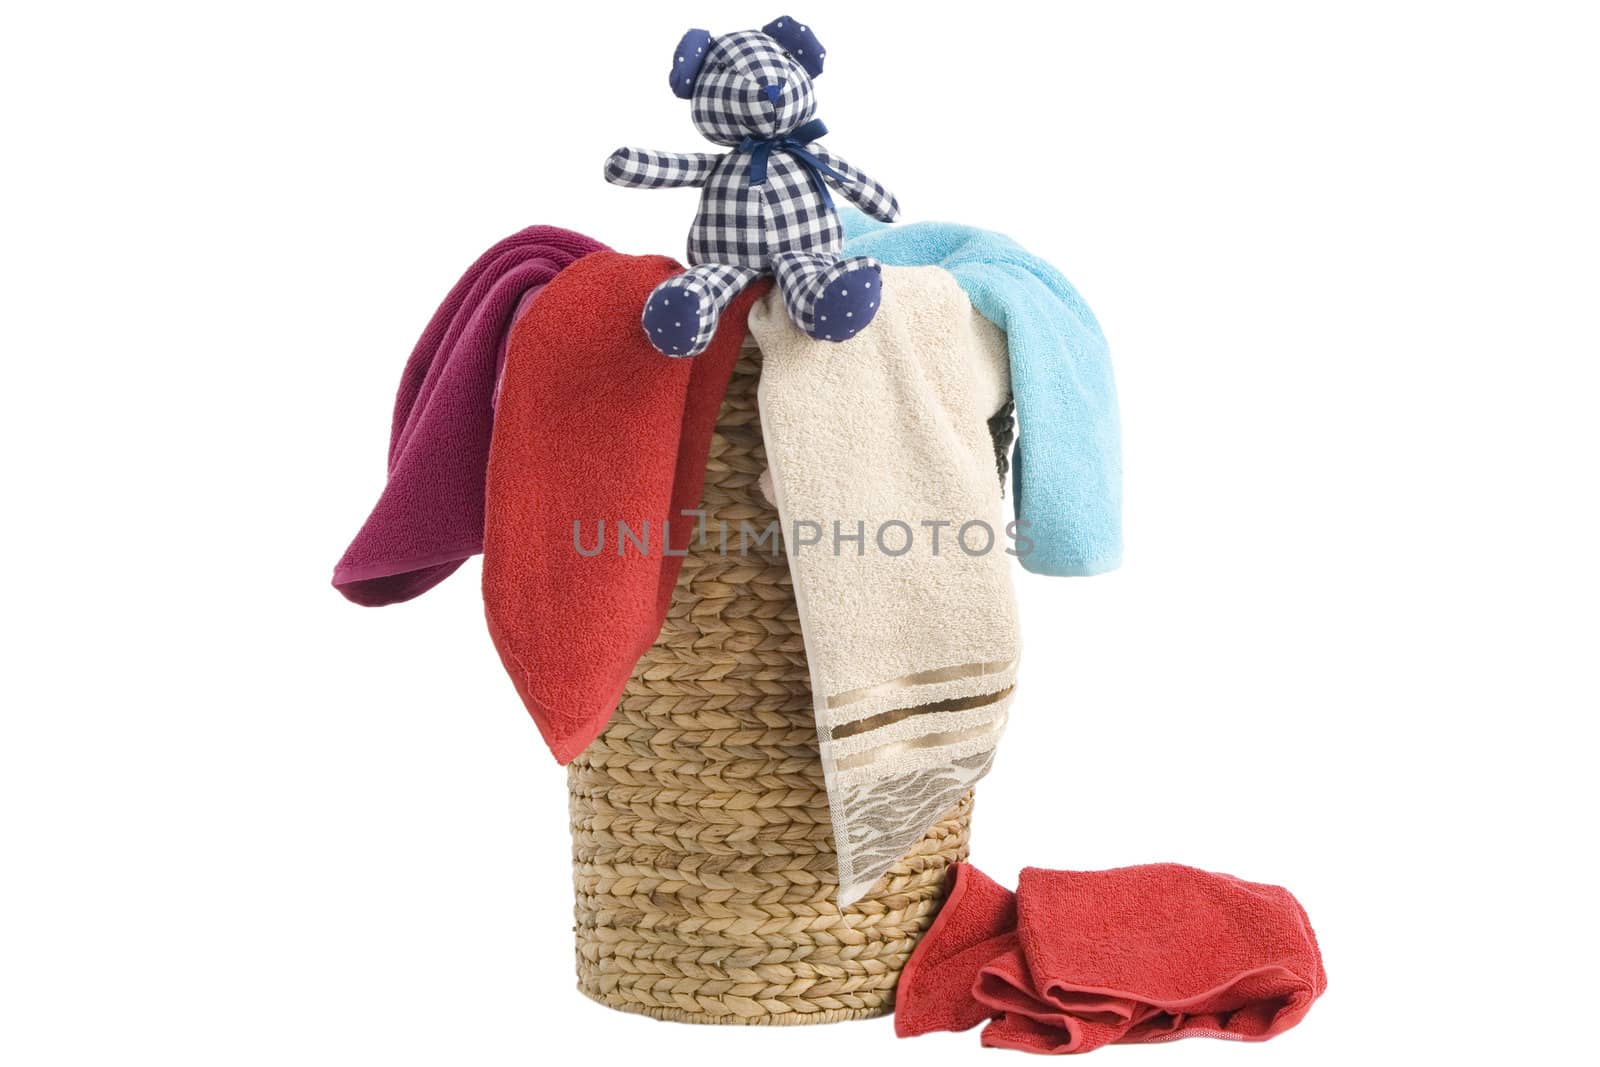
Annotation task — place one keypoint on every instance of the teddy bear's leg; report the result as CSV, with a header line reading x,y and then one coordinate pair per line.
x,y
680,315
831,299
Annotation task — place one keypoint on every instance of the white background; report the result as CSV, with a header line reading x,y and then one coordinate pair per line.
x,y
1346,258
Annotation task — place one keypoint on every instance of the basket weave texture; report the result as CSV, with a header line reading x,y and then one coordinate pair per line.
x,y
702,846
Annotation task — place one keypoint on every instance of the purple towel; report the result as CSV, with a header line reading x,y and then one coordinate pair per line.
x,y
429,518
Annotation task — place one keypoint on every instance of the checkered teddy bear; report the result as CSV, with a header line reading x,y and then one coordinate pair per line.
x,y
766,205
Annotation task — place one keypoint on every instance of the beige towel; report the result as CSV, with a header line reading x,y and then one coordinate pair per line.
x,y
912,647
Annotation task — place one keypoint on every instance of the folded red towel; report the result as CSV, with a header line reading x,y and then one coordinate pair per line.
x,y
977,923
429,518
1137,954
593,425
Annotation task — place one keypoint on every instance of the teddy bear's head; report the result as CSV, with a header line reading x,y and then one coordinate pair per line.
x,y
754,83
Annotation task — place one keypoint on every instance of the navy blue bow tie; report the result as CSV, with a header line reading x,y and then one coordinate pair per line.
x,y
795,144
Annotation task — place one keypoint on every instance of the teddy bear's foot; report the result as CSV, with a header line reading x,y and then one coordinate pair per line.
x,y
848,302
680,315
830,299
674,320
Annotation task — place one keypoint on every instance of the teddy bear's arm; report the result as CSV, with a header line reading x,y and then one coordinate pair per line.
x,y
859,189
643,169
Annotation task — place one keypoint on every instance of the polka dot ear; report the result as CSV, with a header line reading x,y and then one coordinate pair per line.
x,y
686,61
798,40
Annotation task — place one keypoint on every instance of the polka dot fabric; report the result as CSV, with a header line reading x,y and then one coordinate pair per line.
x,y
687,60
751,92
799,42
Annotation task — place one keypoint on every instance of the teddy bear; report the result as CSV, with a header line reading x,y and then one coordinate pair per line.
x,y
766,205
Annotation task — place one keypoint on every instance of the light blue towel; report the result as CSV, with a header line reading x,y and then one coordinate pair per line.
x,y
1067,472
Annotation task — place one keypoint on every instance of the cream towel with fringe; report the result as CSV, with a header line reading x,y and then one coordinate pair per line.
x,y
883,473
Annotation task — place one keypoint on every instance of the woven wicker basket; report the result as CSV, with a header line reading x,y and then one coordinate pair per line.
x,y
702,849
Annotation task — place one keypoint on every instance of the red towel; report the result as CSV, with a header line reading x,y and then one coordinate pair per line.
x,y
593,424
1133,955
429,518
977,923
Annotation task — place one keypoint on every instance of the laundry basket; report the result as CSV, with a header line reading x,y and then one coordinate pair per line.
x,y
702,850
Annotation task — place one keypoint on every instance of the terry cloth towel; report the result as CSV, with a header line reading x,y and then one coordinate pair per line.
x,y
429,517
1067,475
881,458
1133,955
594,427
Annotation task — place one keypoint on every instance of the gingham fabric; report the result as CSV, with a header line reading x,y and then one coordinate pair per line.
x,y
750,224
756,85
731,95
705,291
802,278
643,169
859,189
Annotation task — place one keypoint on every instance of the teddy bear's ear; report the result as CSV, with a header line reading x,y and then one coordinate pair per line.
x,y
798,40
686,61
